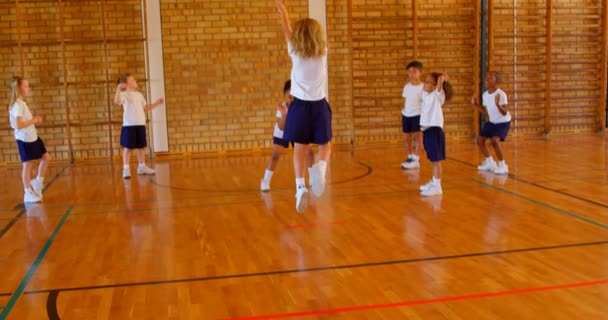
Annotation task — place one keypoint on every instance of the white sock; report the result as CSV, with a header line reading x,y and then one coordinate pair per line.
x,y
126,166
300,183
489,159
322,165
142,165
268,175
436,181
502,163
40,179
415,157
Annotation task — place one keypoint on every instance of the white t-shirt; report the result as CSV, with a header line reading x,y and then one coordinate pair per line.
x,y
20,109
133,103
432,115
308,76
489,101
413,100
278,133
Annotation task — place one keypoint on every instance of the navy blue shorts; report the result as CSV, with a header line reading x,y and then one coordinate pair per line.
x,y
308,122
434,143
490,130
133,137
29,151
410,124
281,142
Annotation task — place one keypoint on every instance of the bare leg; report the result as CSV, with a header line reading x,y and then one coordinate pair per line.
x,y
277,151
126,156
481,142
44,162
496,145
437,171
25,175
141,155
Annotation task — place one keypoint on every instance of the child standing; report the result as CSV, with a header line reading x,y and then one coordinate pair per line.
x,y
437,91
279,144
133,133
410,115
495,106
309,117
30,145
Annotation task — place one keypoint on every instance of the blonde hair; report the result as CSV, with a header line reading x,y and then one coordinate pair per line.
x,y
14,85
308,39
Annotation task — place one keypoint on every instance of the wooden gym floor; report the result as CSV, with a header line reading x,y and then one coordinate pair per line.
x,y
199,241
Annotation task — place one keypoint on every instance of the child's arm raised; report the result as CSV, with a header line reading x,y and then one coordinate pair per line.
x,y
284,19
501,108
442,78
117,96
154,105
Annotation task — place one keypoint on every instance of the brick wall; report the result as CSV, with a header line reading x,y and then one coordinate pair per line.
x,y
226,61
60,49
520,54
225,65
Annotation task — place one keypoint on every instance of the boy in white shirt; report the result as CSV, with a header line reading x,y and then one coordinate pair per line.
x,y
133,133
410,115
496,130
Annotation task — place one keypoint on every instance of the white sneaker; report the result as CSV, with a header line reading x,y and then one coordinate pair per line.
x,y
426,186
145,170
30,196
37,186
404,163
264,185
488,165
502,169
317,181
433,190
301,199
414,164
126,173
311,178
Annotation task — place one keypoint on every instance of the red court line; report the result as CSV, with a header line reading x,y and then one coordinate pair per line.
x,y
313,225
422,302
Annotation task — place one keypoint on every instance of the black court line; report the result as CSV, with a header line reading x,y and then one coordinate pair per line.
x,y
22,209
315,269
512,176
368,172
51,305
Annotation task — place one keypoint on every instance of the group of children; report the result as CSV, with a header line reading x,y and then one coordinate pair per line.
x,y
304,118
422,113
31,147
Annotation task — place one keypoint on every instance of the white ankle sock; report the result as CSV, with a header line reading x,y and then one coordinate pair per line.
x,y
268,175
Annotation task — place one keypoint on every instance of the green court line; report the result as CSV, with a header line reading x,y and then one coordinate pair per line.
x,y
562,211
30,273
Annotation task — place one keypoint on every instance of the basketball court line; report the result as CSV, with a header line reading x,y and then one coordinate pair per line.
x,y
474,296
23,210
30,273
326,268
516,178
562,211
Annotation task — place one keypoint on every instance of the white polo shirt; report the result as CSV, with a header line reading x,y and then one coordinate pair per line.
x,y
432,114
133,103
308,76
20,109
489,102
413,100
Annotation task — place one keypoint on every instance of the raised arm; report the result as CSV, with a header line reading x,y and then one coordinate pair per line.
x,y
443,77
284,19
501,108
117,96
